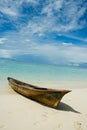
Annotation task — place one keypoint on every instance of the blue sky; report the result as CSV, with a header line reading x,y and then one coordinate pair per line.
x,y
49,31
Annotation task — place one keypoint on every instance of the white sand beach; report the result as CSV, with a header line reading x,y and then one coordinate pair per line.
x,y
20,113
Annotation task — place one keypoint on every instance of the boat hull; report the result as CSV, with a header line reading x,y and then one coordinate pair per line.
x,y
45,96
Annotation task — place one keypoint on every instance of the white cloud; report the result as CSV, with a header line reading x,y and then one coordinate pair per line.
x,y
12,8
60,53
51,6
2,40
35,2
9,7
55,15
40,25
72,36
63,53
66,14
66,44
59,16
5,53
9,11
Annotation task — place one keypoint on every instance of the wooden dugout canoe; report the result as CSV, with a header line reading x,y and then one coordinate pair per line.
x,y
45,96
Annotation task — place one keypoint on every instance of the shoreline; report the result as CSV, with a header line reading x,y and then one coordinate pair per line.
x,y
18,112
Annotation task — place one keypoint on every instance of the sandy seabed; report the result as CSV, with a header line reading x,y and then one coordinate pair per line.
x,y
20,113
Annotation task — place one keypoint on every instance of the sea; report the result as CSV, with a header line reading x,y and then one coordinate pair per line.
x,y
51,76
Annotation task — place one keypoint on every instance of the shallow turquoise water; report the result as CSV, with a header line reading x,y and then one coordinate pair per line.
x,y
40,74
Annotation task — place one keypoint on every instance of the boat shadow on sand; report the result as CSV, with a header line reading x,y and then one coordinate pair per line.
x,y
64,107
